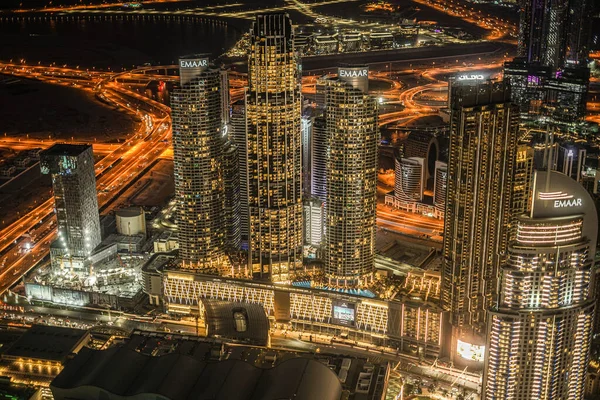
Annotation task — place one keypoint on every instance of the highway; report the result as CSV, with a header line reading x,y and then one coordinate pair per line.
x,y
113,172
499,29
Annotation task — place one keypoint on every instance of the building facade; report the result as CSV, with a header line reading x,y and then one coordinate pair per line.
x,y
351,117
440,187
412,324
313,221
318,165
71,168
544,94
273,113
522,188
307,124
237,132
198,156
231,182
540,329
555,33
409,182
483,134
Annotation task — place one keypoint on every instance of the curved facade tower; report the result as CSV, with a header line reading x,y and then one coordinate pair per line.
x,y
541,329
440,183
409,181
273,112
351,177
198,154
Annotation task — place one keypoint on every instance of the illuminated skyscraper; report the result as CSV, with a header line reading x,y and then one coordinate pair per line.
x,y
273,112
522,185
318,165
351,177
76,202
540,330
555,33
483,134
313,221
231,182
307,127
198,155
409,181
238,129
440,184
550,78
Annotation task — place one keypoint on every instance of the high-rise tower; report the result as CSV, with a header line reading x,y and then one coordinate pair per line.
x,y
231,182
318,155
440,184
522,187
409,182
554,33
483,135
351,177
273,112
238,129
198,154
76,202
540,330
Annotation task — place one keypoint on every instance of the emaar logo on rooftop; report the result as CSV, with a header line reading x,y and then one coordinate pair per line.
x,y
567,203
193,63
353,73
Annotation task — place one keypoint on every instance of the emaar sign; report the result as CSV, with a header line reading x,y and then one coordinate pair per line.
x,y
193,63
353,73
568,203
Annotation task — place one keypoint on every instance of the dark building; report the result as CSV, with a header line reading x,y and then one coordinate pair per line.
x,y
39,353
543,93
555,33
75,201
122,373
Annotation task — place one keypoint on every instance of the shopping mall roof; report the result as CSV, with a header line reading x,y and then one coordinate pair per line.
x,y
239,321
122,373
48,343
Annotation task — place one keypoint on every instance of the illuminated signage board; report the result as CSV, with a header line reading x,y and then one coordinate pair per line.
x,y
470,351
476,77
567,203
344,313
193,63
353,73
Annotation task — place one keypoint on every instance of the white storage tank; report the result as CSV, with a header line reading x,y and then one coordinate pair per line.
x,y
131,221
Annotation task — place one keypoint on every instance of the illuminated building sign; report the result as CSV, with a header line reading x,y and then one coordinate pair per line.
x,y
353,73
193,63
561,199
470,351
567,203
344,313
477,77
